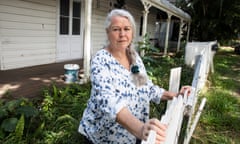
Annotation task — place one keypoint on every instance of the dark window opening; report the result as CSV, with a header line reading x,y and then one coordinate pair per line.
x,y
64,16
76,19
64,25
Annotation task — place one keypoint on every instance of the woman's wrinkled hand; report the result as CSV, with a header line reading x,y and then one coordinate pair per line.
x,y
155,125
184,89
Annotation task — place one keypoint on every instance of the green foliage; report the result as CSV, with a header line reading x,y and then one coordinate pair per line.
x,y
146,46
53,119
147,51
19,128
9,124
64,107
12,118
158,69
213,19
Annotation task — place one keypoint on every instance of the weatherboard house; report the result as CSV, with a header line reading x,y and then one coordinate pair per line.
x,y
37,32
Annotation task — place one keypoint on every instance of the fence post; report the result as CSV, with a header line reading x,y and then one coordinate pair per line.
x,y
174,81
191,129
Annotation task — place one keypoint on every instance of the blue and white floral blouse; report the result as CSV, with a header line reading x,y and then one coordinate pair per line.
x,y
112,90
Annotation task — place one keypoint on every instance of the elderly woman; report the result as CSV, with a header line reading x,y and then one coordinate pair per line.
x,y
118,109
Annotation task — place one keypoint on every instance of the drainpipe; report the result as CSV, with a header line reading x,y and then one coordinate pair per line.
x,y
167,33
87,39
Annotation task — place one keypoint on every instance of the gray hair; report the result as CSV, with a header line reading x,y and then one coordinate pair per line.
x,y
122,13
138,78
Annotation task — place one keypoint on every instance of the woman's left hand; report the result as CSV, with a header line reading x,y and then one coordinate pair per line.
x,y
184,89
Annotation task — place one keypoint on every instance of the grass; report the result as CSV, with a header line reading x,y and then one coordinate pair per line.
x,y
219,122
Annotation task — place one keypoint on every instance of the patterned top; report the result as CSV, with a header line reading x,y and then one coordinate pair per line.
x,y
112,90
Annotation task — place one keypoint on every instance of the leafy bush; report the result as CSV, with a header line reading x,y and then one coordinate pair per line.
x,y
158,69
54,119
16,118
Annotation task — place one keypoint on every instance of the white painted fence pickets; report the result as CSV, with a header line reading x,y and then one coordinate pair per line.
x,y
195,121
173,119
200,55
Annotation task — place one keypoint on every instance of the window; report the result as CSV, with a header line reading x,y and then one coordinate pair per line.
x,y
70,17
64,16
76,19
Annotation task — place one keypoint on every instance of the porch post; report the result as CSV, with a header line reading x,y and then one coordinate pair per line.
x,y
167,33
189,24
180,35
145,17
87,39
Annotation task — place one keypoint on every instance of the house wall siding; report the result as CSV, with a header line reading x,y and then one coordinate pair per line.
x,y
28,33
98,35
28,30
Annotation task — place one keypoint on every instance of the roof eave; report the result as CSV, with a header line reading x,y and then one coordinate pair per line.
x,y
169,8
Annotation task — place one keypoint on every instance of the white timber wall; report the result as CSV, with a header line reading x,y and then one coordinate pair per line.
x,y
98,34
99,13
28,30
28,33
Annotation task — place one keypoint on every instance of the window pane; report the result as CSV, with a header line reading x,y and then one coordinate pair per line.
x,y
64,25
76,27
76,9
76,20
64,16
64,7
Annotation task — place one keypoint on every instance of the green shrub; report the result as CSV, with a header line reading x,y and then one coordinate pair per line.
x,y
16,118
54,119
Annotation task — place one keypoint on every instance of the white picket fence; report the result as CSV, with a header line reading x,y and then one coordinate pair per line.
x,y
199,55
203,51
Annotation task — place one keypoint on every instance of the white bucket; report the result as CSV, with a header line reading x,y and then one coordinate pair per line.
x,y
71,72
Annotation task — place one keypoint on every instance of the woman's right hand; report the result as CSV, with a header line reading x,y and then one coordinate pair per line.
x,y
155,125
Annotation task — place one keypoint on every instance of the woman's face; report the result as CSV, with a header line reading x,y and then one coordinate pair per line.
x,y
120,33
